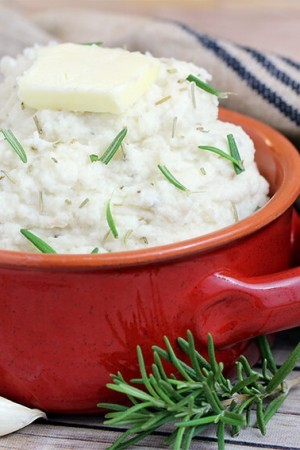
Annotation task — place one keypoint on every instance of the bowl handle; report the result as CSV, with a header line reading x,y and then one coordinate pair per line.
x,y
237,308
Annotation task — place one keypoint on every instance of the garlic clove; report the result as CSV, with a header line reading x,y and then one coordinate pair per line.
x,y
14,416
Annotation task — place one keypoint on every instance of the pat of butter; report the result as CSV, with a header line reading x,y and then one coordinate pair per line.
x,y
87,78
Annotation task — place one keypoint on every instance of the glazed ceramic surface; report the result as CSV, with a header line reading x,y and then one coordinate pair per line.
x,y
67,321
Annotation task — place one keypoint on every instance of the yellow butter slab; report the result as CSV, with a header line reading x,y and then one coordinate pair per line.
x,y
86,78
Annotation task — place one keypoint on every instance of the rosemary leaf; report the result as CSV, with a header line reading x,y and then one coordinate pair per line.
x,y
235,154
113,147
144,373
284,370
15,144
111,222
165,171
199,397
95,250
220,152
37,242
206,87
220,435
273,407
260,416
266,353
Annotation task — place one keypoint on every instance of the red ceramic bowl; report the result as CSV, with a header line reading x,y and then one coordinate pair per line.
x,y
68,321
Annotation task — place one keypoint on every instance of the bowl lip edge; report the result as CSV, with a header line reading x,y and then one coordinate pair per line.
x,y
273,209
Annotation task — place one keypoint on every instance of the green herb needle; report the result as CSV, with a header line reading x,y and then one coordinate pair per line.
x,y
206,87
15,144
113,147
110,221
233,155
165,171
197,395
37,242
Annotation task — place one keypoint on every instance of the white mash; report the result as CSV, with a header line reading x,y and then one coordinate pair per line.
x,y
61,196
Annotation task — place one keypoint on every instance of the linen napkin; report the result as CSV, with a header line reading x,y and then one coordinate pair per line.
x,y
264,85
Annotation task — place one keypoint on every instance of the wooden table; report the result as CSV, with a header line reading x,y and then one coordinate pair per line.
x,y
84,432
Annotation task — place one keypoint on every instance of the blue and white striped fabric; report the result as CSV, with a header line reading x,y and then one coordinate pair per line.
x,y
267,85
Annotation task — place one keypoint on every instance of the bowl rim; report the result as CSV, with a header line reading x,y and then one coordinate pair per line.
x,y
276,206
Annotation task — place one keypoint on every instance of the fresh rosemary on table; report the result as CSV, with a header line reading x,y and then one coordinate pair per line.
x,y
198,394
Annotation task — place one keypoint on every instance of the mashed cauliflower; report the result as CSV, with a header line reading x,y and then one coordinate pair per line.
x,y
62,196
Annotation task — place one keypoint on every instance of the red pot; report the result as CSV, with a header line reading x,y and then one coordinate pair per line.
x,y
68,321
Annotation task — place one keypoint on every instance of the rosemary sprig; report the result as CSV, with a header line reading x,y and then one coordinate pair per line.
x,y
110,221
165,171
232,156
15,144
111,149
206,87
37,242
197,395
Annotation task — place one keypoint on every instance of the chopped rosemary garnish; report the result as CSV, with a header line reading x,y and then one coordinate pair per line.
x,y
98,43
95,250
37,242
202,170
110,221
163,100
112,148
38,125
197,394
165,171
9,177
84,202
235,153
15,144
206,87
41,201
193,95
174,124
220,152
94,158
144,240
234,212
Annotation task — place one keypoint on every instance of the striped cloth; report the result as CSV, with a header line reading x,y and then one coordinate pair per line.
x,y
267,86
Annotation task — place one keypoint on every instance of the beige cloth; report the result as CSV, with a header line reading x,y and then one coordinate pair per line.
x,y
267,86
